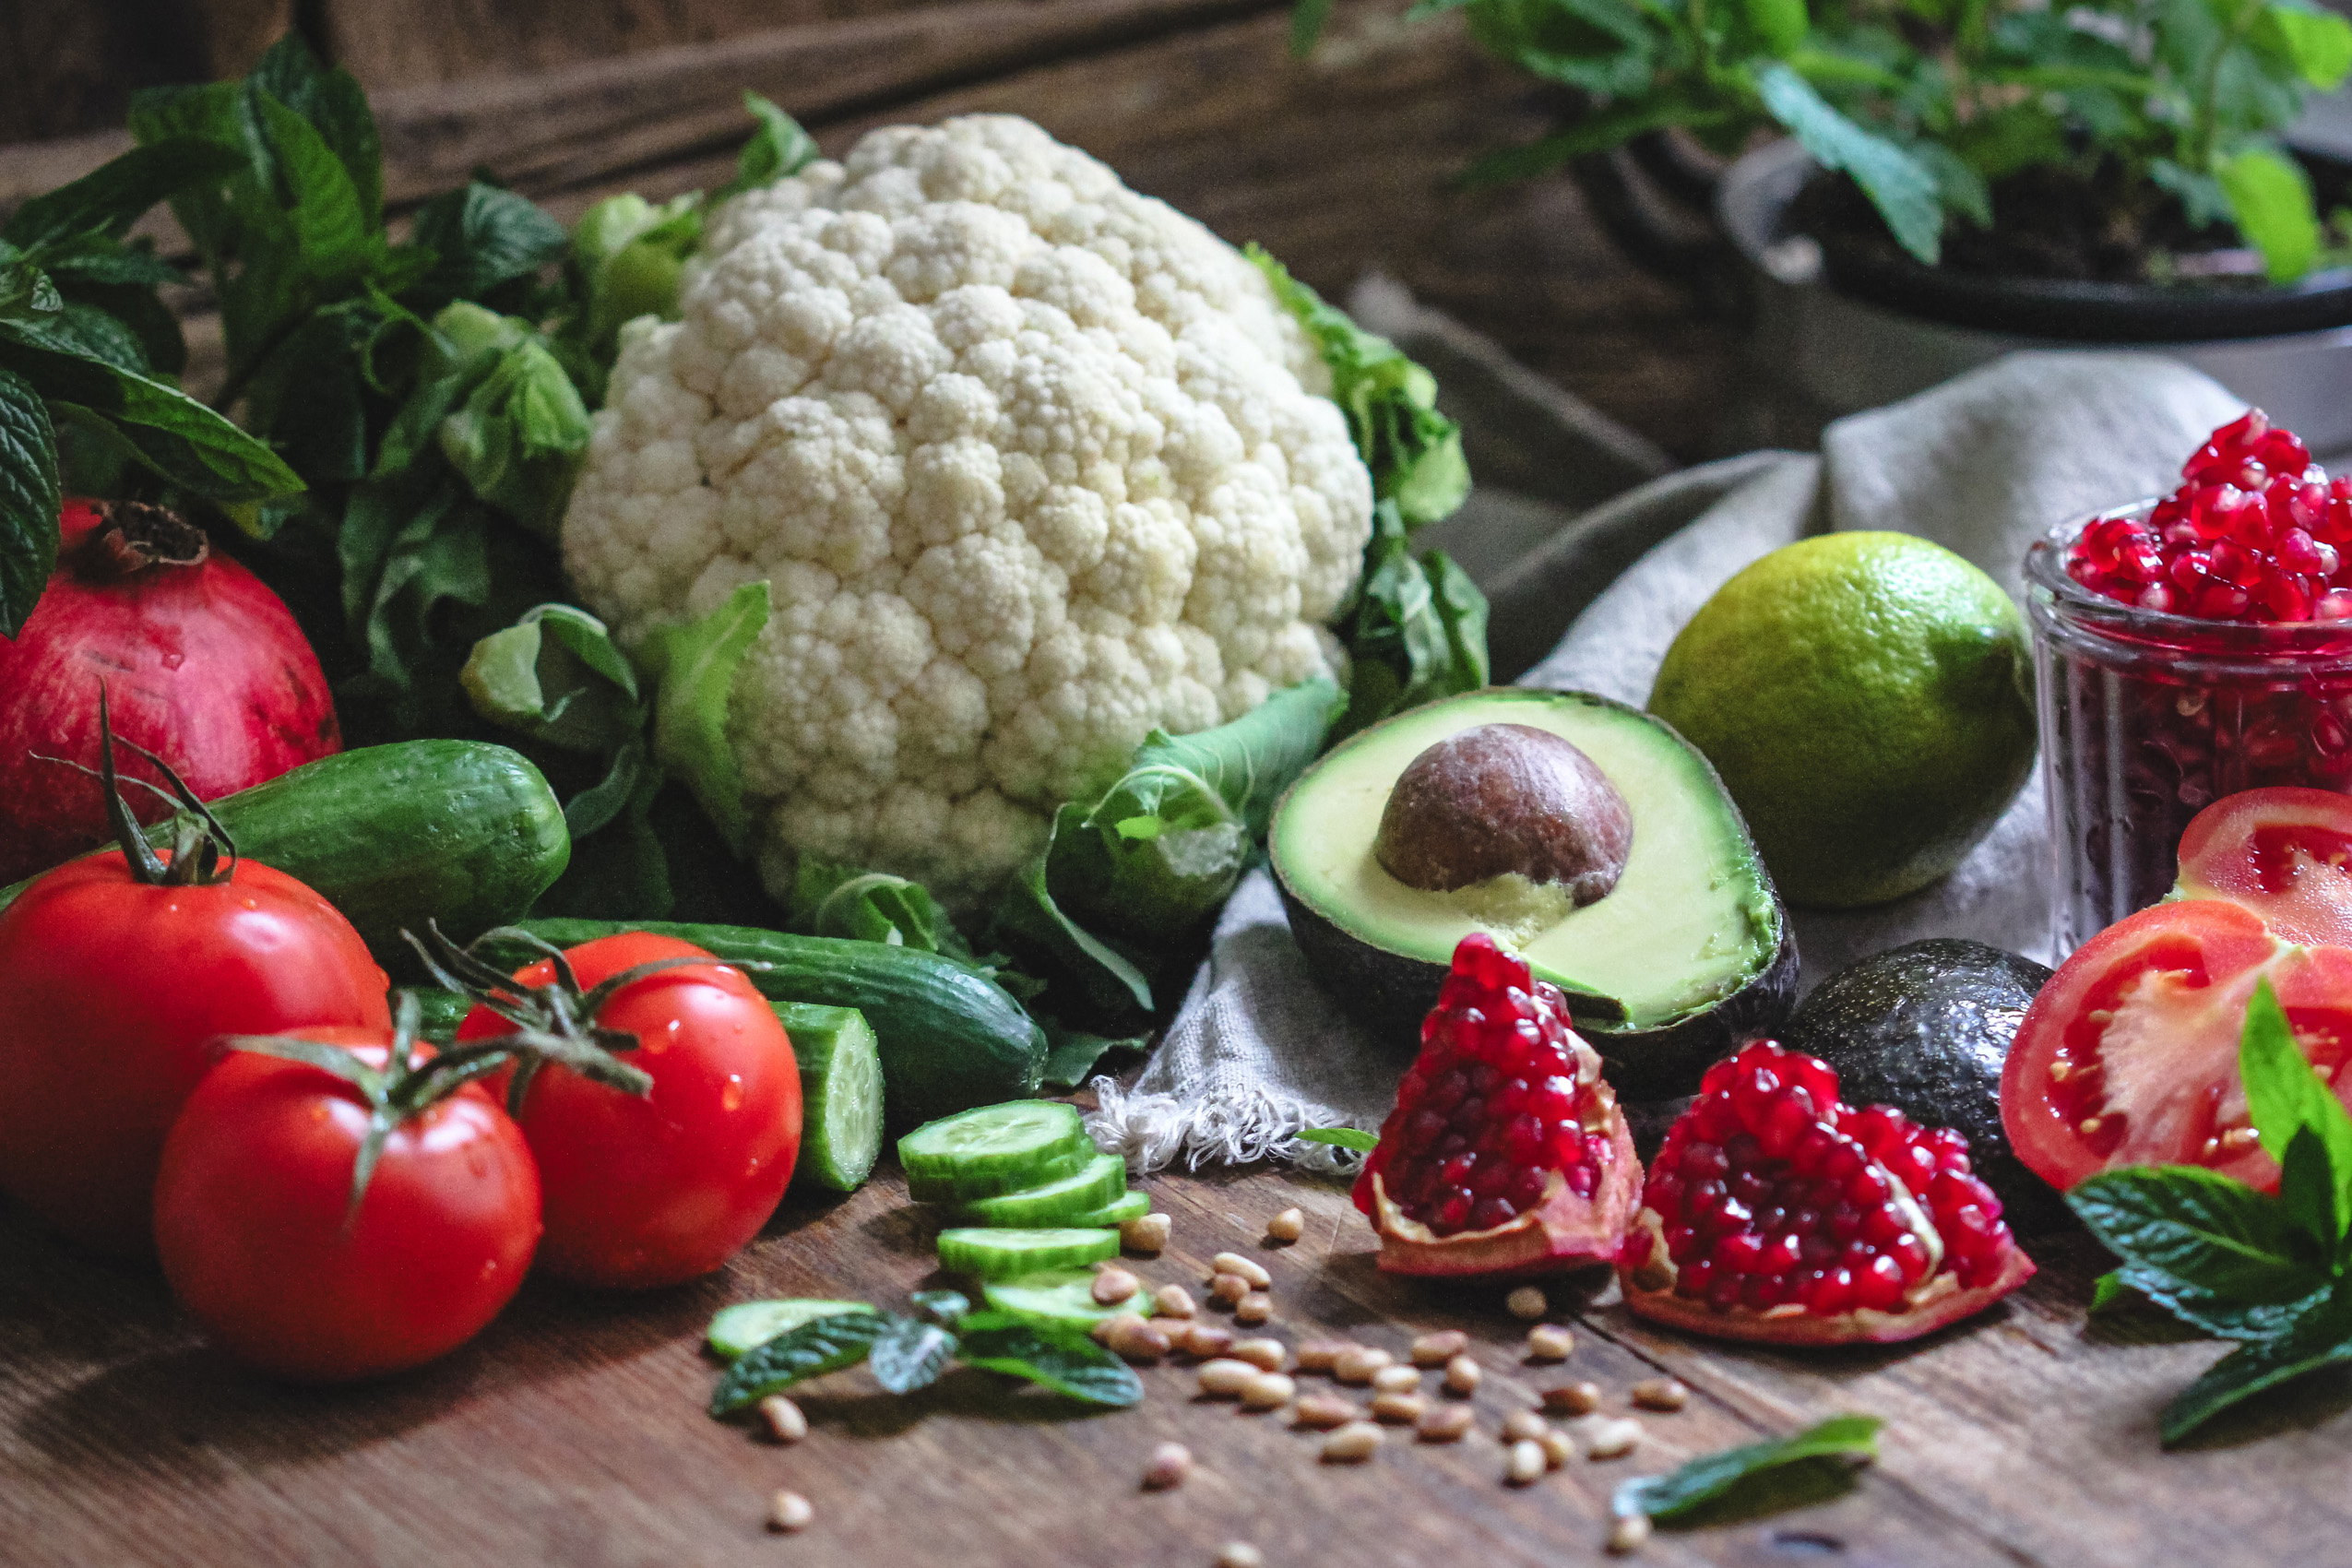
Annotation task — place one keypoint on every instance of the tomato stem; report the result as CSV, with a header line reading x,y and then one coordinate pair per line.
x,y
198,841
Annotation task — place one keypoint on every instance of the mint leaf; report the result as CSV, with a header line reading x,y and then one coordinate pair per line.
x,y
332,102
1341,1137
1898,185
1712,1478
333,239
113,196
2300,1121
2321,1337
29,500
826,1345
483,237
2271,203
911,1355
2195,1242
1068,1363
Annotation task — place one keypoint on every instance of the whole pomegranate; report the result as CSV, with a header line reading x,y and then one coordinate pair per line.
x,y
202,664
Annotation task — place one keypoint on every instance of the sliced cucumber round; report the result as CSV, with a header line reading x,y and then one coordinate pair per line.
x,y
1059,1298
1008,1254
840,1094
958,1189
1098,1181
748,1324
1019,1139
1127,1207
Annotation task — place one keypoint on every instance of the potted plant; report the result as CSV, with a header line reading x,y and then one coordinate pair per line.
x,y
1962,177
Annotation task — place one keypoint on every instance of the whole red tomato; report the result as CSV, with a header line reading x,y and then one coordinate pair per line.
x,y
648,1191
2129,1056
254,1222
111,988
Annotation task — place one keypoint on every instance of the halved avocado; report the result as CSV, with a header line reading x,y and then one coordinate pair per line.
x,y
1689,953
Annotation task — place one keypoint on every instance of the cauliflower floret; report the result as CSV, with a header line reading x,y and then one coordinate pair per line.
x,y
1031,463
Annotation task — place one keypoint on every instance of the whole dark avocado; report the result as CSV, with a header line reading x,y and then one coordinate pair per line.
x,y
1925,1028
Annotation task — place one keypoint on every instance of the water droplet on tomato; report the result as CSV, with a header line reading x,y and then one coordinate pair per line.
x,y
489,1267
731,1096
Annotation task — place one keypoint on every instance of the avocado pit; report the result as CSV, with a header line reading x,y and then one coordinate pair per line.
x,y
1500,800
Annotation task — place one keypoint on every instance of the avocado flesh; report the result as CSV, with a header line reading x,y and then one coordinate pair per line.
x,y
1689,926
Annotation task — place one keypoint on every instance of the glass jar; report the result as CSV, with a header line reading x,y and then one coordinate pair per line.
x,y
2147,719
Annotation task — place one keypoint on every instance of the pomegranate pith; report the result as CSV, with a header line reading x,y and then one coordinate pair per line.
x,y
1506,1152
1776,1212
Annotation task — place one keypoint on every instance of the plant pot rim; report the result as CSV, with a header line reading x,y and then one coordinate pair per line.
x,y
1752,205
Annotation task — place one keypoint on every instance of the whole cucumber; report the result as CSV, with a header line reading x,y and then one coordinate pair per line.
x,y
461,832
949,1038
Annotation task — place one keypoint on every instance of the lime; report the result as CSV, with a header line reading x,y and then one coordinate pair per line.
x,y
1868,699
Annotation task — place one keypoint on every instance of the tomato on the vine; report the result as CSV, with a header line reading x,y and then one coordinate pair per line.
x,y
2128,1056
649,1191
258,1234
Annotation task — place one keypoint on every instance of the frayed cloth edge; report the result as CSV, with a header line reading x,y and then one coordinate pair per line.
x,y
1152,1132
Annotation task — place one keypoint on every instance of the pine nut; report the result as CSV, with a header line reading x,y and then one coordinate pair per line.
x,y
1321,1355
788,1511
1254,1309
1135,1340
1609,1439
1266,1355
1397,1380
1145,1233
1436,1349
1661,1393
1174,1301
1176,1328
1629,1534
785,1422
1527,1303
1267,1391
1358,1363
1229,1289
1113,1286
1286,1225
1549,1342
1234,1263
1207,1341
1326,1412
1525,1465
1523,1426
1353,1444
1445,1424
1223,1379
1558,1448
1170,1463
1241,1554
1462,1375
1572,1399
1105,1327
1401,1409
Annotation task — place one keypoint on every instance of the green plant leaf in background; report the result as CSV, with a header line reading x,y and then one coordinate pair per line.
x,y
1071,1054
779,147
110,198
483,238
2271,202
1904,192
29,500
695,664
2316,45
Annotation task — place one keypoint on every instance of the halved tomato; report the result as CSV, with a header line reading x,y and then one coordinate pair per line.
x,y
2128,1056
2284,853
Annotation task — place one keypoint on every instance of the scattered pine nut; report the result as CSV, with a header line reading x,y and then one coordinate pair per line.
x,y
1326,1412
1241,1554
1523,1426
1321,1355
1286,1227
1436,1349
1222,1379
1229,1289
788,1511
1462,1375
1145,1233
1572,1399
1134,1340
785,1422
1266,1355
1234,1263
1661,1393
1401,1410
1527,1303
1254,1309
1525,1465
1353,1444
1445,1423
1207,1341
1397,1380
1170,1463
1630,1533
1176,1328
1267,1391
1558,1448
1607,1439
1358,1363
1549,1342
1104,1328
1113,1286
1174,1301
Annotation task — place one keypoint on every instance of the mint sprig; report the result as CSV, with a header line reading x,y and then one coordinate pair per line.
x,y
2272,1273
1727,1474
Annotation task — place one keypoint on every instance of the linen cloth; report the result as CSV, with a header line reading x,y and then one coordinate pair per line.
x,y
1982,464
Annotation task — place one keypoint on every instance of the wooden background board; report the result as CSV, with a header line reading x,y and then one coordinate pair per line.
x,y
572,1433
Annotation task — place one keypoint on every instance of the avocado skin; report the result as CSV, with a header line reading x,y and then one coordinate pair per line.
x,y
1390,994
1925,1028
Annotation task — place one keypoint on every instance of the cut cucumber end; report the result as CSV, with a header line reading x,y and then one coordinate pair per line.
x,y
750,1324
840,1094
1093,1185
1007,1254
1127,1207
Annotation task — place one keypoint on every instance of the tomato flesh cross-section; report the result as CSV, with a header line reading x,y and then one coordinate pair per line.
x,y
2284,853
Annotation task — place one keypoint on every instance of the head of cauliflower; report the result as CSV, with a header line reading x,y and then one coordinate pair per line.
x,y
1031,463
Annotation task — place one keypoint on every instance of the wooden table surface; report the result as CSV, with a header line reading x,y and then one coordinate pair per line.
x,y
571,1432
